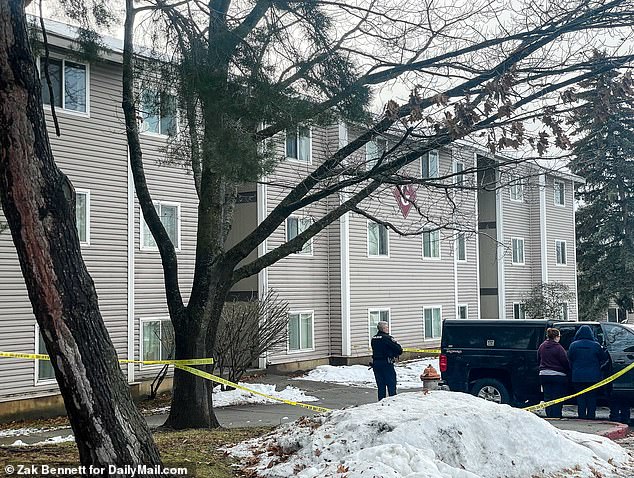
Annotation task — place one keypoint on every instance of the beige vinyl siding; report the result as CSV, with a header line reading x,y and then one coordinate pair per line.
x,y
170,184
100,166
560,226
304,280
521,220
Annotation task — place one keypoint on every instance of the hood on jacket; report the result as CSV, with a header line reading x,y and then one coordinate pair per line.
x,y
584,332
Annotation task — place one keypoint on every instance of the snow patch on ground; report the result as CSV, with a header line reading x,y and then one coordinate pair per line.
x,y
407,374
16,432
438,435
241,397
48,441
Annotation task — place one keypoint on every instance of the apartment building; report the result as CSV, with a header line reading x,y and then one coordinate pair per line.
x,y
479,251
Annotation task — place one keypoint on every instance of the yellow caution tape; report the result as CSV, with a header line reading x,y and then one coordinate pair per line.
x,y
202,361
216,379
600,384
423,351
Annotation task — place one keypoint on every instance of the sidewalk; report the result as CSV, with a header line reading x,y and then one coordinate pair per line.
x,y
331,396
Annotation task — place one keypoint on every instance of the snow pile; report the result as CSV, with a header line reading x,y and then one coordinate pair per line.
x,y
407,374
438,435
49,441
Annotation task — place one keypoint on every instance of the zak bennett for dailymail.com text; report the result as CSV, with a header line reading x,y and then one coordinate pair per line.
x,y
127,470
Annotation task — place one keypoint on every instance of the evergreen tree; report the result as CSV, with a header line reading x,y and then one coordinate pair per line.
x,y
604,156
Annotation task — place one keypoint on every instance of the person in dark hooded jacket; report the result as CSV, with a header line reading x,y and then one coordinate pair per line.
x,y
586,357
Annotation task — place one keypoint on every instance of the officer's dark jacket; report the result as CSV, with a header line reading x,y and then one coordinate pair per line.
x,y
586,356
384,347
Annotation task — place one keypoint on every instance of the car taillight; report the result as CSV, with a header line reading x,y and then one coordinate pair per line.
x,y
443,363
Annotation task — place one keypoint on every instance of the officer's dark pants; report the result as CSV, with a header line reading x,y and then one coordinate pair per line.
x,y
385,377
554,386
586,403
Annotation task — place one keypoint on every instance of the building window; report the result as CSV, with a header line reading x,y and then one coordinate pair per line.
x,y
517,189
518,250
157,339
374,150
69,81
458,169
43,368
461,247
170,216
463,312
560,193
374,317
300,331
298,144
158,113
518,310
294,227
433,322
82,215
378,240
430,165
560,249
563,311
431,244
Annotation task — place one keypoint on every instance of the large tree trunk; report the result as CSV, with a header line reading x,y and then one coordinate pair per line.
x,y
38,201
190,403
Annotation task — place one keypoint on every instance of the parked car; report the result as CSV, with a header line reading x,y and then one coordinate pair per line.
x,y
497,359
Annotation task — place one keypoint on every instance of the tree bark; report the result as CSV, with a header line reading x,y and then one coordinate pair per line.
x,y
38,202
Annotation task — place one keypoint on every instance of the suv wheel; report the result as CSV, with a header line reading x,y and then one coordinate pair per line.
x,y
490,389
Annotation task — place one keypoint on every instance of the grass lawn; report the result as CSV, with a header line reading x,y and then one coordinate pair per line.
x,y
197,448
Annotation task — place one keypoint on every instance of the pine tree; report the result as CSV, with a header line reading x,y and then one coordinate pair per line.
x,y
604,156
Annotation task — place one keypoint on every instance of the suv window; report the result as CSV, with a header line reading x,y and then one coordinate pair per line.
x,y
498,337
619,338
568,334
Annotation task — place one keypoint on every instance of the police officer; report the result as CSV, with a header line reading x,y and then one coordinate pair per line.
x,y
384,350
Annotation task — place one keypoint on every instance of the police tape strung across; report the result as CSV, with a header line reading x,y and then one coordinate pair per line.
x,y
423,351
200,361
600,384
216,379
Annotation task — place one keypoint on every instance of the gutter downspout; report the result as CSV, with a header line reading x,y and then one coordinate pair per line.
x,y
499,217
131,269
543,233
574,231
344,241
263,276
477,230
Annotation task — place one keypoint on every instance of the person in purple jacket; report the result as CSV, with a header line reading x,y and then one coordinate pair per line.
x,y
553,371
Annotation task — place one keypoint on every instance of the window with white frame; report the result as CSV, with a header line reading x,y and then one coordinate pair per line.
x,y
169,213
298,144
518,250
560,251
158,112
69,82
517,188
430,165
43,368
294,227
431,244
378,240
82,215
433,320
458,168
157,339
374,317
560,193
374,150
563,311
300,331
461,247
519,311
463,312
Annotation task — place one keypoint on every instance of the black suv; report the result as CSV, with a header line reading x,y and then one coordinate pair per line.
x,y
497,359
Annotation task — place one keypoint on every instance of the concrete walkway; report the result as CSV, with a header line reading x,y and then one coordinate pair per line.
x,y
331,396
